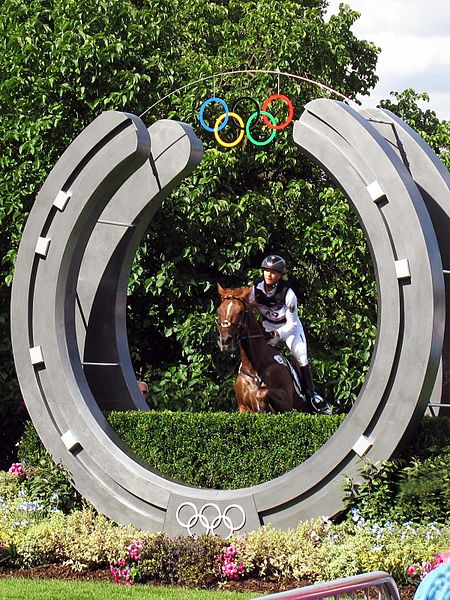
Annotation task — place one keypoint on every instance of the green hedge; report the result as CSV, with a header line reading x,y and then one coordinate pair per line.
x,y
214,450
232,450
223,450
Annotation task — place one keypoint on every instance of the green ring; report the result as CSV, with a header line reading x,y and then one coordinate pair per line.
x,y
247,128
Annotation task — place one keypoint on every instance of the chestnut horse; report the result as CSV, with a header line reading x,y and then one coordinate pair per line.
x,y
264,382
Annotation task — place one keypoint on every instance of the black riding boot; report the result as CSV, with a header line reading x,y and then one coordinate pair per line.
x,y
315,401
307,382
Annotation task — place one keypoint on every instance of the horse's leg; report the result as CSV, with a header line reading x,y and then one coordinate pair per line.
x,y
279,401
245,391
262,400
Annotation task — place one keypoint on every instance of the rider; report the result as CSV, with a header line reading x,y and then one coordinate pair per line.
x,y
275,300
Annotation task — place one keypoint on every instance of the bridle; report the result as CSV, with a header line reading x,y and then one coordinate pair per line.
x,y
243,320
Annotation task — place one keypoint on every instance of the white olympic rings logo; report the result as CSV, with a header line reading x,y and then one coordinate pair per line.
x,y
198,516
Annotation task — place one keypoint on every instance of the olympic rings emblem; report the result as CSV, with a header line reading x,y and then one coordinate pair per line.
x,y
267,119
199,517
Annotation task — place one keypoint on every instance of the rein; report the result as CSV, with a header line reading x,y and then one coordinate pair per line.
x,y
242,322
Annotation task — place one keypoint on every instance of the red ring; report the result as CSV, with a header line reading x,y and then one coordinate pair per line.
x,y
290,115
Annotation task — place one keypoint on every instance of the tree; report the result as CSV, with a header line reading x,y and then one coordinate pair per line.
x,y
424,121
65,61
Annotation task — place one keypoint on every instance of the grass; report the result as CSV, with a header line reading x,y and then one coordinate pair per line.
x,y
53,589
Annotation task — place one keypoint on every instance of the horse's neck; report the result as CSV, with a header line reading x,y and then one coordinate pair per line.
x,y
255,352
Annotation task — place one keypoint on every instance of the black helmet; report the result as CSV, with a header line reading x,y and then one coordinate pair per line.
x,y
275,263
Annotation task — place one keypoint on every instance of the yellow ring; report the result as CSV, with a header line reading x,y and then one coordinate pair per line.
x,y
239,137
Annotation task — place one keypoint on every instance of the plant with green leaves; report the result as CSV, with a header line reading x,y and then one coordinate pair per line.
x,y
65,62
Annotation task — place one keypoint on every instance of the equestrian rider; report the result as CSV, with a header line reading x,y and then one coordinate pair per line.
x,y
275,300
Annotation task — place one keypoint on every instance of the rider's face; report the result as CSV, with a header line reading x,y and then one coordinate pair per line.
x,y
271,278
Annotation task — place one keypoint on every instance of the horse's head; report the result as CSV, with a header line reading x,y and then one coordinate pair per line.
x,y
232,316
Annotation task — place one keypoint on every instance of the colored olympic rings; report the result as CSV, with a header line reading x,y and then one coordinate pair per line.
x,y
217,129
237,121
290,108
202,110
246,99
248,127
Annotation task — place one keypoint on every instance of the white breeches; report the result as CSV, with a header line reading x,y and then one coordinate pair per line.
x,y
296,342
297,345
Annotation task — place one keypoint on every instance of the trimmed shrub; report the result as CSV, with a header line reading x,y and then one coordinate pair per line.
x,y
229,450
214,450
361,547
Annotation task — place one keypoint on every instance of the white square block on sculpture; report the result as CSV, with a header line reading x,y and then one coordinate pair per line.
x,y
36,355
362,445
61,200
375,190
69,440
402,269
42,246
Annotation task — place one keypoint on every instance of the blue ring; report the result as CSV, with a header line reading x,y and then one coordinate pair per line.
x,y
202,110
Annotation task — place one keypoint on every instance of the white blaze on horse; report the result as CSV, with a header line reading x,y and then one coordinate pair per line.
x,y
264,382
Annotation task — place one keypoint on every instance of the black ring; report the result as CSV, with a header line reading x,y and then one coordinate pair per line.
x,y
233,107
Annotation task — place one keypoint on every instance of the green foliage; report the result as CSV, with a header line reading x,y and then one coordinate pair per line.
x,y
50,485
348,549
222,450
270,553
424,489
230,451
433,438
406,489
423,121
182,560
214,450
47,483
316,550
83,539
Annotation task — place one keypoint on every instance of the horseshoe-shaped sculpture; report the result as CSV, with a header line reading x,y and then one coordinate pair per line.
x,y
69,310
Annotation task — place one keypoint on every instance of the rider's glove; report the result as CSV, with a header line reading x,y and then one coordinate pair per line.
x,y
271,335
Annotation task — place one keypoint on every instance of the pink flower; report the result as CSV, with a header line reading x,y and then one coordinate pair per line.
x,y
17,469
230,552
134,549
411,570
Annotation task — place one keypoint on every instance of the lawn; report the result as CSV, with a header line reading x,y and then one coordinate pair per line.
x,y
53,589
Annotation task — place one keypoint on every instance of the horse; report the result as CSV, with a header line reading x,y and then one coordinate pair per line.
x,y
264,382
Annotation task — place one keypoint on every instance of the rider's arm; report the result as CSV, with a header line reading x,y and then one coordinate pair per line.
x,y
292,318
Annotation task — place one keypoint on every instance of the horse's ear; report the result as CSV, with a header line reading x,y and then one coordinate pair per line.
x,y
221,290
246,292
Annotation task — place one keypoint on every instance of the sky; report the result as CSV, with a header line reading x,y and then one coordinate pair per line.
x,y
414,37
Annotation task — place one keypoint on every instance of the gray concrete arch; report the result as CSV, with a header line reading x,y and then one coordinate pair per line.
x,y
69,322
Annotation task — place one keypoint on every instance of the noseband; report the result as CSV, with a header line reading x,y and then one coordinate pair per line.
x,y
242,321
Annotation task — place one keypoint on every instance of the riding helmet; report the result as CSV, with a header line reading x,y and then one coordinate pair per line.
x,y
275,263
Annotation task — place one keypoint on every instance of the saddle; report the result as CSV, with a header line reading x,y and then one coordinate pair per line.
x,y
282,360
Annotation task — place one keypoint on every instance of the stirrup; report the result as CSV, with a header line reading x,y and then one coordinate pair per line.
x,y
319,405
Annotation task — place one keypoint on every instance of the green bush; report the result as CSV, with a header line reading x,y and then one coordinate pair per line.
x,y
215,450
315,550
183,560
349,549
412,487
433,438
47,483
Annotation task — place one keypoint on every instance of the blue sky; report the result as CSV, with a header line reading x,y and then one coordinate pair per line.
x,y
414,37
